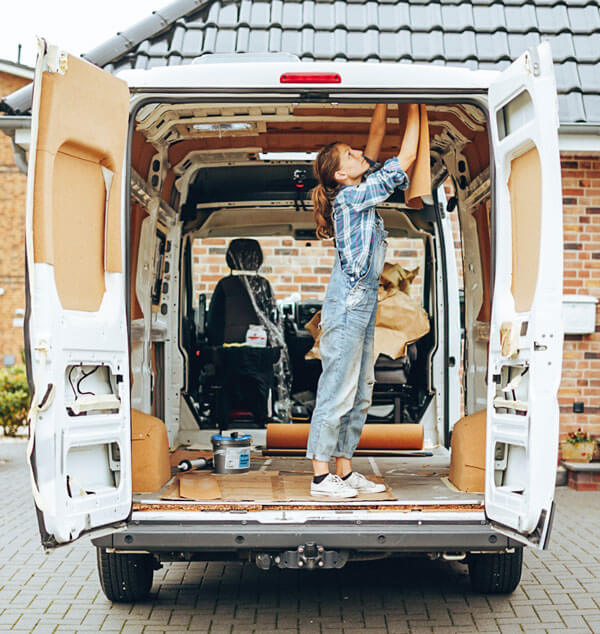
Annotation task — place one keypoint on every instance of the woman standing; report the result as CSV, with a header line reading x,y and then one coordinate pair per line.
x,y
345,209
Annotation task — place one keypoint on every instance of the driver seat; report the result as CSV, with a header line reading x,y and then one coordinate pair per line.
x,y
231,308
245,374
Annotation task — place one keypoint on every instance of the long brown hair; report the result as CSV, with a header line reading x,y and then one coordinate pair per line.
x,y
325,166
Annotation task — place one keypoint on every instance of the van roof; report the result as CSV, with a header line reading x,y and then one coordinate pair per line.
x,y
354,76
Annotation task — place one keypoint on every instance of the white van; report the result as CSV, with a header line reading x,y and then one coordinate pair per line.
x,y
126,172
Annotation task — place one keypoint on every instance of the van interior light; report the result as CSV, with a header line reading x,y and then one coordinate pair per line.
x,y
310,78
222,127
287,156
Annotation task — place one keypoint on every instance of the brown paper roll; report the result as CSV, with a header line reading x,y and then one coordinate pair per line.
x,y
295,436
419,173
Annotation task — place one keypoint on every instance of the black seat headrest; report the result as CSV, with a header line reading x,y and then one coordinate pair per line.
x,y
244,254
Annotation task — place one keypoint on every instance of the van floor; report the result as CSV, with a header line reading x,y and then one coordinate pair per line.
x,y
414,482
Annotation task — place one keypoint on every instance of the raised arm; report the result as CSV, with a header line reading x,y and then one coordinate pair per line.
x,y
408,148
376,132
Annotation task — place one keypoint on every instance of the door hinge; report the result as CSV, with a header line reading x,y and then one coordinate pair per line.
x,y
56,60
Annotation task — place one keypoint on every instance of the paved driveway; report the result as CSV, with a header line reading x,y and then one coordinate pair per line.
x,y
60,591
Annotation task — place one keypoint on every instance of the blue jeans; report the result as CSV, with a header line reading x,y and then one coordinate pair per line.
x,y
345,386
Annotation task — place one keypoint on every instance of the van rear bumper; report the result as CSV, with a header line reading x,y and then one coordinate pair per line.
x,y
367,536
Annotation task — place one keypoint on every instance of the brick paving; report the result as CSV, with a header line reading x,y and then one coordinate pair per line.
x,y
60,592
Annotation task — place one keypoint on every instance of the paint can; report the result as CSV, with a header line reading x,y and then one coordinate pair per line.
x,y
231,453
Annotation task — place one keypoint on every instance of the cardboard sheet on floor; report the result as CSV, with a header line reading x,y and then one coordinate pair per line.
x,y
260,486
199,486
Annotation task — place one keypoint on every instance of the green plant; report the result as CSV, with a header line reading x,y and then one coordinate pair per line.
x,y
14,399
578,436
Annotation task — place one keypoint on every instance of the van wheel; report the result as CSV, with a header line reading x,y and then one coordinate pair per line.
x,y
125,578
497,573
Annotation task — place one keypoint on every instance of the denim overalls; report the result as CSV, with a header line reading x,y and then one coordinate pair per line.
x,y
347,333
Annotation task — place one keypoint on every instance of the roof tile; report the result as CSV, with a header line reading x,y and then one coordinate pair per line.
x,y
489,19
518,43
520,19
324,16
393,16
584,19
356,16
292,15
425,17
457,17
260,14
570,108
589,74
258,41
492,47
552,19
587,47
460,46
591,105
427,46
567,77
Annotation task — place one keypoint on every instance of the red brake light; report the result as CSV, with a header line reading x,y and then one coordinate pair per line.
x,y
310,78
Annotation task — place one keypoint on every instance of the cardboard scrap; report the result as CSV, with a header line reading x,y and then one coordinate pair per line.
x,y
199,486
400,318
467,453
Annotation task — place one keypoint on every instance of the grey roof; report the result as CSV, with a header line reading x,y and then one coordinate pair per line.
x,y
484,34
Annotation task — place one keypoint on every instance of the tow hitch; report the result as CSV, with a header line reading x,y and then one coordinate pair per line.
x,y
308,556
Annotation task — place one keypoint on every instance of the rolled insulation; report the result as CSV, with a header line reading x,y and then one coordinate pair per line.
x,y
391,436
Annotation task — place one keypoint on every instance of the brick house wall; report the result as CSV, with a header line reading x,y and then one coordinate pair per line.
x,y
12,230
301,267
581,353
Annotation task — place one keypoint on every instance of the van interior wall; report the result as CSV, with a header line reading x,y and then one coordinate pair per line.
x,y
469,171
459,146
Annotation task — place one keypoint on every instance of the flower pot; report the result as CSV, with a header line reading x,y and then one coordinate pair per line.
x,y
578,452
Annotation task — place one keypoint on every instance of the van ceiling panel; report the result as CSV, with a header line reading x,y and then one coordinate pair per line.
x,y
288,127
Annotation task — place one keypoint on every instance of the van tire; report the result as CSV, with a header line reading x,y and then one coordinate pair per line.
x,y
498,573
125,578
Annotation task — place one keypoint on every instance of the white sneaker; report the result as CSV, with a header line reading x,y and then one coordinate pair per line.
x,y
363,485
332,487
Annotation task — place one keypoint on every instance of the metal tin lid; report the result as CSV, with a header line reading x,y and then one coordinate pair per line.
x,y
220,438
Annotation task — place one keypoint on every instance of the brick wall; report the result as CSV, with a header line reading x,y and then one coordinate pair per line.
x,y
581,361
293,267
12,230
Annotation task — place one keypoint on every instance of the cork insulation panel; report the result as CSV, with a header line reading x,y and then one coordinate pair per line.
x,y
525,188
76,222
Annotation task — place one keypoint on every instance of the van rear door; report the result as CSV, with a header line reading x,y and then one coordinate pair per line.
x,y
525,350
76,328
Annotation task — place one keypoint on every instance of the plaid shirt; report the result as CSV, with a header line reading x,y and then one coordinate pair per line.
x,y
355,216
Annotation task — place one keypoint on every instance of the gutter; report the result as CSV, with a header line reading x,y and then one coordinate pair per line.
x,y
18,130
579,137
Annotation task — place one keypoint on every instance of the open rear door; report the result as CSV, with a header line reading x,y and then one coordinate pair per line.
x,y
525,351
76,329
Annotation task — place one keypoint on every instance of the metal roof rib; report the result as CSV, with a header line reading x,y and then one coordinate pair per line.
x,y
473,33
